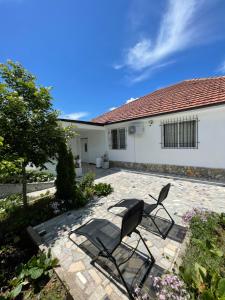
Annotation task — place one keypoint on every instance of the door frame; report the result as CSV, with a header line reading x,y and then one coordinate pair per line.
x,y
84,141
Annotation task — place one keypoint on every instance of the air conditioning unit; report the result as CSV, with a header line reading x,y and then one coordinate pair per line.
x,y
136,129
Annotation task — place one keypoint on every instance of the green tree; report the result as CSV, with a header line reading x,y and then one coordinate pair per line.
x,y
65,181
28,122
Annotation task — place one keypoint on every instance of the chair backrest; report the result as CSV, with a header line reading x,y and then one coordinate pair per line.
x,y
132,218
163,193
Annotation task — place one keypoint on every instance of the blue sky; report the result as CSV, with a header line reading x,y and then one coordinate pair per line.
x,y
97,54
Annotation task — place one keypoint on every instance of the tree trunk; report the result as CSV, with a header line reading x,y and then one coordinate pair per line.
x,y
24,181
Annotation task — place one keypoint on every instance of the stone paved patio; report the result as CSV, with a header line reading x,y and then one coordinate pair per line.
x,y
86,281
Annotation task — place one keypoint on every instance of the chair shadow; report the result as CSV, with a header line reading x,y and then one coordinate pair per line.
x,y
135,271
176,233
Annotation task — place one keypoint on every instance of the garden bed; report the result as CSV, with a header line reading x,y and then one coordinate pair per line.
x,y
8,189
16,248
36,181
203,264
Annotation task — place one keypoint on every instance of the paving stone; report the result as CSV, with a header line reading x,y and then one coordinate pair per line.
x,y
95,276
99,294
81,277
84,280
108,289
76,267
165,263
169,252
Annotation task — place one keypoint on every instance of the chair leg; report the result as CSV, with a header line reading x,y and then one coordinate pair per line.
x,y
168,214
123,280
153,220
152,257
163,235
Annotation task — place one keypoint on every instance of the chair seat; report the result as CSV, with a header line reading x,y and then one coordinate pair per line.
x,y
107,232
148,208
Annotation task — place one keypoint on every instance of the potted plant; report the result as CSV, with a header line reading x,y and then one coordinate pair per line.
x,y
105,161
78,168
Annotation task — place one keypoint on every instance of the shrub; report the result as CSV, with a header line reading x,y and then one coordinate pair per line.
x,y
39,176
80,198
10,204
32,176
65,180
87,181
102,189
17,220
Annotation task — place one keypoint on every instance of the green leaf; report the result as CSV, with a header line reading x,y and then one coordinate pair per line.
x,y
16,291
35,272
217,252
221,288
207,295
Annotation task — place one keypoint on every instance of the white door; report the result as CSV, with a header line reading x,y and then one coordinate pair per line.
x,y
84,150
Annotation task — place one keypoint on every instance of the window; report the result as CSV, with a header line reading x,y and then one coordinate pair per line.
x,y
180,134
170,135
118,138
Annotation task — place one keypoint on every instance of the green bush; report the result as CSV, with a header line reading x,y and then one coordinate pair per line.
x,y
18,219
39,176
203,266
87,181
10,204
86,189
102,189
15,176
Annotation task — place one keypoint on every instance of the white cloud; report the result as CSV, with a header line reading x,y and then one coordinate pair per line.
x,y
176,33
75,115
117,66
221,68
178,29
112,108
131,100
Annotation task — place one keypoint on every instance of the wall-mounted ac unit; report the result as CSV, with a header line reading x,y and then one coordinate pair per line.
x,y
136,129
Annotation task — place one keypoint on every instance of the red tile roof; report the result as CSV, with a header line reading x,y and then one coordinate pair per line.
x,y
188,94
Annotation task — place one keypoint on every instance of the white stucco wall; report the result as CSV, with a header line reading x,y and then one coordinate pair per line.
x,y
147,148
96,144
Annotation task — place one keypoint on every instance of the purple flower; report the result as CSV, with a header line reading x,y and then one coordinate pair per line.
x,y
201,212
169,287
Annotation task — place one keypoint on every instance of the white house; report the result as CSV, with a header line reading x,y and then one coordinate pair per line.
x,y
179,129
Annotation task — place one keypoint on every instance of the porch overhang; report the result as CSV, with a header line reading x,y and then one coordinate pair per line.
x,y
82,125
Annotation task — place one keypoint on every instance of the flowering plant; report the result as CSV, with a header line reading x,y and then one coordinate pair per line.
x,y
169,287
201,212
138,294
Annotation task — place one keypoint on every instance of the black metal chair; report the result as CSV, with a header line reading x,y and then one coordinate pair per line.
x,y
149,208
106,236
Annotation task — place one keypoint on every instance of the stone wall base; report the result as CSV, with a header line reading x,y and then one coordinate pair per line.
x,y
197,172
